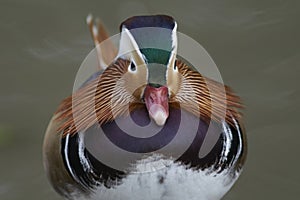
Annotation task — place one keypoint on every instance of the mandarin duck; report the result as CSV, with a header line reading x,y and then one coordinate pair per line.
x,y
134,129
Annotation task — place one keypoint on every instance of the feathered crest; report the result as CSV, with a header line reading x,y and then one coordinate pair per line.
x,y
99,101
105,98
205,97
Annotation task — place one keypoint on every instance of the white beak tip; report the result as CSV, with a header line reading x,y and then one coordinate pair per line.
x,y
160,118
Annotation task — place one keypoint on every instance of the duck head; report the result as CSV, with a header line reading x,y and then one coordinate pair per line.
x,y
149,43
146,73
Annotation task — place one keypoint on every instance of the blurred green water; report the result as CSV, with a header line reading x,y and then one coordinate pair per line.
x,y
254,43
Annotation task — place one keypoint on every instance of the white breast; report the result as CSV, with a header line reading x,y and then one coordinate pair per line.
x,y
164,180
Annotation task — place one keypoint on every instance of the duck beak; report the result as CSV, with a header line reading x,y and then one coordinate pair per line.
x,y
157,103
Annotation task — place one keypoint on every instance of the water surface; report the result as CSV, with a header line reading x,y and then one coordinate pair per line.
x,y
254,43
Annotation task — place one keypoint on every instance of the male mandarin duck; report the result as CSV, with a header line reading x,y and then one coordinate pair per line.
x,y
134,129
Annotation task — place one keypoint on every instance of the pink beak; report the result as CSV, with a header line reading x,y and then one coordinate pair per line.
x,y
157,103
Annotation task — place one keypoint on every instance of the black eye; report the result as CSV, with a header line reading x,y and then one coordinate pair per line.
x,y
175,67
132,66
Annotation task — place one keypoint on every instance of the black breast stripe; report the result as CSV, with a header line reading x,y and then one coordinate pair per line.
x,y
95,173
233,141
90,172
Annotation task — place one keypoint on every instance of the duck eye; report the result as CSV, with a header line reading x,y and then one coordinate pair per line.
x,y
175,67
132,67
